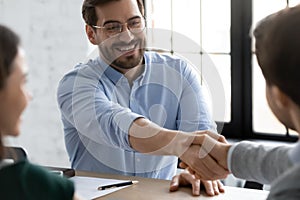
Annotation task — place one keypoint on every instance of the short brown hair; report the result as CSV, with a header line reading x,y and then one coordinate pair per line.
x,y
278,50
89,13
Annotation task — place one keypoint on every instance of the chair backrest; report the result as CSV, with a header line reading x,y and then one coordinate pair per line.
x,y
15,153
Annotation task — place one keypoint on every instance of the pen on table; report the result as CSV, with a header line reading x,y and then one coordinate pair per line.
x,y
105,187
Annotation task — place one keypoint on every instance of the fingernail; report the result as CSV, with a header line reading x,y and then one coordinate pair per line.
x,y
211,193
196,192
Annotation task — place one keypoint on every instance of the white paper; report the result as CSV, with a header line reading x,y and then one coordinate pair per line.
x,y
87,187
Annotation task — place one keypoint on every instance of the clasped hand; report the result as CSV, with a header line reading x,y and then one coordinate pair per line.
x,y
205,161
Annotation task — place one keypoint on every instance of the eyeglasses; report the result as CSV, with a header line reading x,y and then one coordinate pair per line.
x,y
135,26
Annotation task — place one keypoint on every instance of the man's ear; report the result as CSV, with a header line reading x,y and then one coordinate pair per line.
x,y
280,98
91,34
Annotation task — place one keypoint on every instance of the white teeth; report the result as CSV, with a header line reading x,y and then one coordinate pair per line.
x,y
127,48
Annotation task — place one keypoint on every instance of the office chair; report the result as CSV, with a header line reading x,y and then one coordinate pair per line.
x,y
15,153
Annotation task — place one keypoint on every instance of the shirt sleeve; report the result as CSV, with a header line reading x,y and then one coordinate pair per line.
x,y
194,113
84,104
257,162
229,155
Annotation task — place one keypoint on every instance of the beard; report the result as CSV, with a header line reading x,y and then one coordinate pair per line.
x,y
121,55
129,62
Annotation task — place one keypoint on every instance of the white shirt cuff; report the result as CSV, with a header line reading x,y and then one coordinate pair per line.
x,y
229,155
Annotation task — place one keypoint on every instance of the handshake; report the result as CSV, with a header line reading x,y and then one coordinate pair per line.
x,y
203,153
207,156
205,161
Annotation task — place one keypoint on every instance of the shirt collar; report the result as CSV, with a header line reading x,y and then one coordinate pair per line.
x,y
114,75
110,72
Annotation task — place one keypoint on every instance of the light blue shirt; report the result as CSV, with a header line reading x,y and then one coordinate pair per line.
x,y
98,106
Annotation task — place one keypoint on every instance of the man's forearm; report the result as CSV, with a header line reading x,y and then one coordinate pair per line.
x,y
147,137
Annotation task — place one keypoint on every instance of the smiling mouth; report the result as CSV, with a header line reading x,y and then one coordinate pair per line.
x,y
127,50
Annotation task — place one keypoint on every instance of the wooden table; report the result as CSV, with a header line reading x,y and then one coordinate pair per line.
x,y
159,189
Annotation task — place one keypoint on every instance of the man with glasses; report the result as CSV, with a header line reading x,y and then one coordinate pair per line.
x,y
129,111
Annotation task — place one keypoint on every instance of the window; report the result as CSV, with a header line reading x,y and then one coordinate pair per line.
x,y
221,29
189,29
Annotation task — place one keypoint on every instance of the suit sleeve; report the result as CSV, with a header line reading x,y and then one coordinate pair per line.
x,y
261,163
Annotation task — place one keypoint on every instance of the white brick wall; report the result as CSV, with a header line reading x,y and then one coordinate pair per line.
x,y
53,37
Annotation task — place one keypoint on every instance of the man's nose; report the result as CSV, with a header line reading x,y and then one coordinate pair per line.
x,y
126,35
